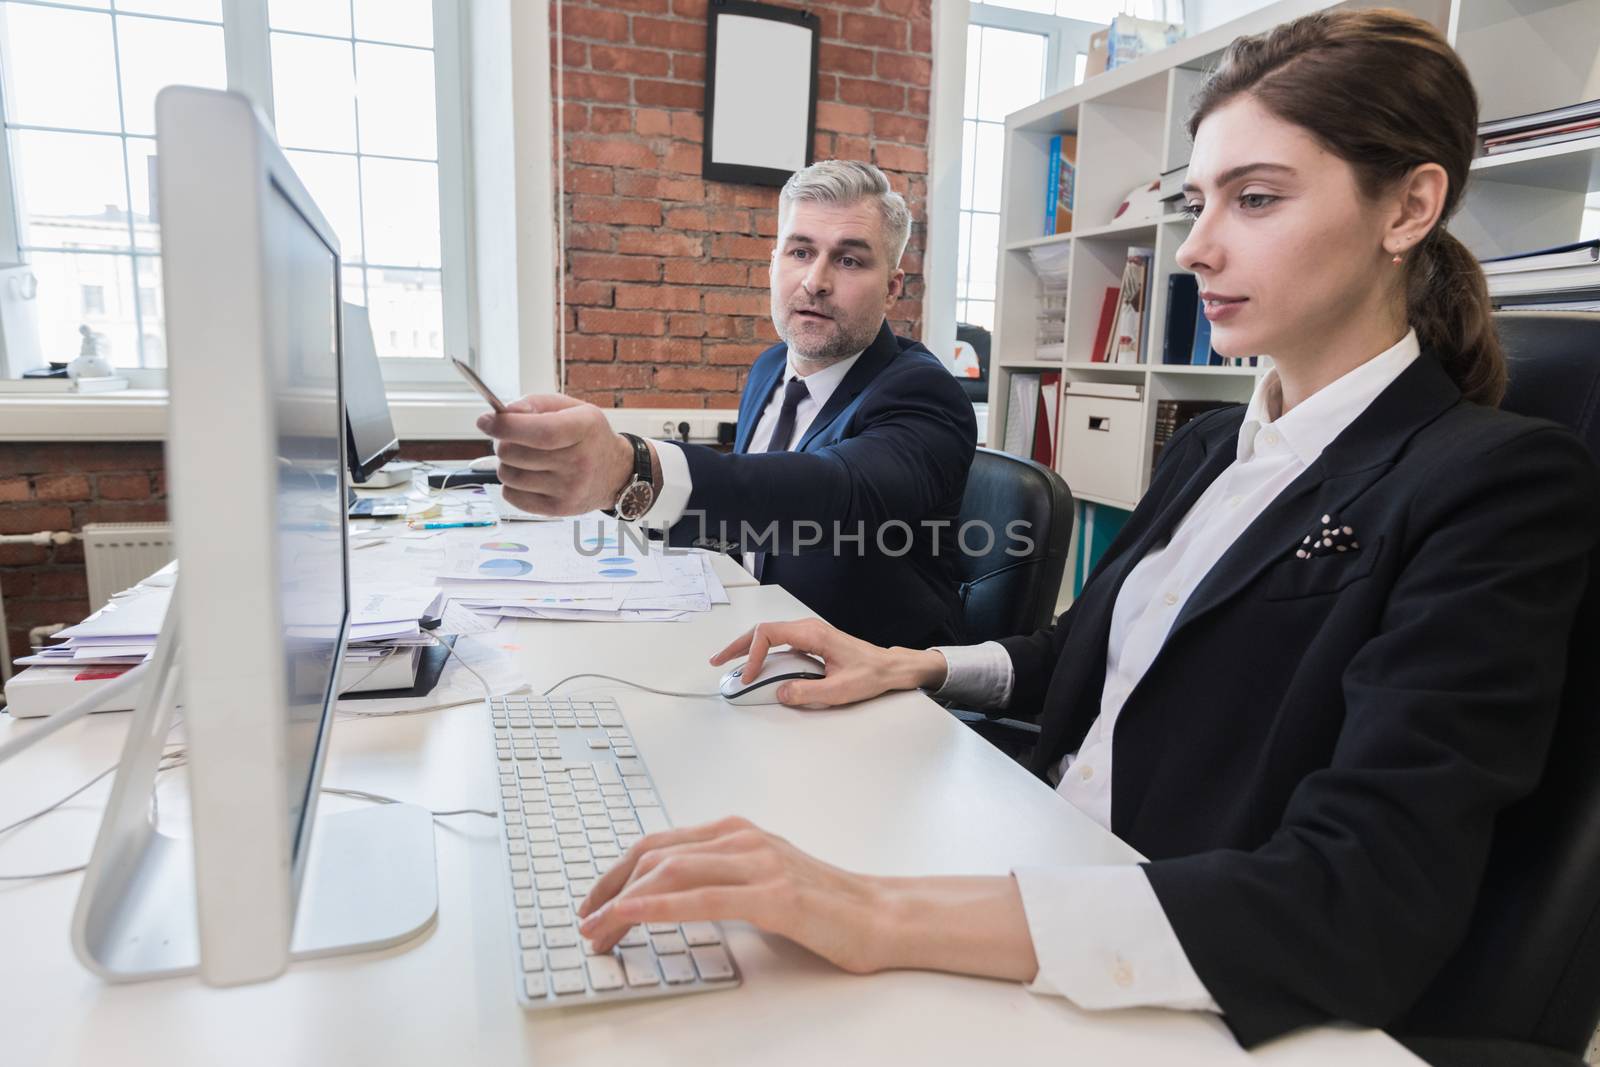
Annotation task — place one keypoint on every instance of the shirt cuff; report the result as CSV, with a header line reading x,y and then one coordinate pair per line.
x,y
976,676
676,485
1103,940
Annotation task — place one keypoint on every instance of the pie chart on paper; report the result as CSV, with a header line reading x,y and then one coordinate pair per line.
x,y
505,568
503,546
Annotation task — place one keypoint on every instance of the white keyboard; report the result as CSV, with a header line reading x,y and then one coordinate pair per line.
x,y
574,794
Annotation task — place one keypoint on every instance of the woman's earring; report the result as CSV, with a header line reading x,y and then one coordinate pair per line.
x,y
1398,259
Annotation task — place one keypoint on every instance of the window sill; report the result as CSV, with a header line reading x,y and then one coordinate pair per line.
x,y
141,415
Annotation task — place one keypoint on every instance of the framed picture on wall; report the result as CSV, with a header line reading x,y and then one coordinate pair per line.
x,y
761,91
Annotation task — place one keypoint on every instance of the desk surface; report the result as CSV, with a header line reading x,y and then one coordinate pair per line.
x,y
892,786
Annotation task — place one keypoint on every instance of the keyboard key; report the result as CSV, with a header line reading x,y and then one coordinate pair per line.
x,y
567,982
579,887
677,969
544,848
517,848
535,987
606,773
520,863
556,917
551,899
712,962
701,934
521,880
625,751
522,898
532,960
668,944
561,937
528,938
644,798
634,938
625,826
662,928
547,865
574,855
630,766
640,966
581,870
563,959
653,820
604,851
636,780
550,881
527,917
599,742
604,973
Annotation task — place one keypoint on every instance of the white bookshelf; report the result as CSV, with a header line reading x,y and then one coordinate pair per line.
x,y
1524,56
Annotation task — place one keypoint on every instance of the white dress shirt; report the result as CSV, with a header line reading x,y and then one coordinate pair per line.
x,y
676,482
1100,935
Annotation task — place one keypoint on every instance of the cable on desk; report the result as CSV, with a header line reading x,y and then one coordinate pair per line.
x,y
77,710
385,658
379,798
624,681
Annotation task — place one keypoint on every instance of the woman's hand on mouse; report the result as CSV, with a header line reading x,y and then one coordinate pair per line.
x,y
855,669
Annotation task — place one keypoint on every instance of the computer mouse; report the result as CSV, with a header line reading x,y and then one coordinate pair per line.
x,y
484,463
777,668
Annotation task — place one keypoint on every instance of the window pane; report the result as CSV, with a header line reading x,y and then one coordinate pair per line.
x,y
397,101
400,205
981,313
400,21
353,286
142,179
964,255
331,181
407,312
155,54
70,189
313,92
310,16
61,68
152,310
209,10
1080,66
1012,72
83,289
986,170
985,249
969,107
969,150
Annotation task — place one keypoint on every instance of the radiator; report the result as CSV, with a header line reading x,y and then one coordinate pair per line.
x,y
121,554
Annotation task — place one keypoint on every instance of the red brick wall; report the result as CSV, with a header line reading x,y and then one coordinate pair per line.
x,y
666,272
61,486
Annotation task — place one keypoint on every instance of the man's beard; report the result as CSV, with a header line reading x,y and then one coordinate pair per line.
x,y
846,340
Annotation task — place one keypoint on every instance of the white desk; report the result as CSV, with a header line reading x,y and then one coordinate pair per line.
x,y
894,786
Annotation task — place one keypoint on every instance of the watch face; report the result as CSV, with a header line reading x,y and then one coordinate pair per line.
x,y
635,500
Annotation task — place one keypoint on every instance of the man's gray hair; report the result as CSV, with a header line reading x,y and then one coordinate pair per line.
x,y
845,181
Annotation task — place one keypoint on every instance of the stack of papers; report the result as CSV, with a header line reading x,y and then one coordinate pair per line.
x,y
588,569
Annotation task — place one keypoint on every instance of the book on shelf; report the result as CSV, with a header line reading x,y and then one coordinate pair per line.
x,y
1172,183
1539,120
1102,332
1200,354
1183,304
1032,415
1580,254
1061,184
1171,415
1129,333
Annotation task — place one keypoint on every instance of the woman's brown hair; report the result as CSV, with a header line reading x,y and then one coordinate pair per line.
x,y
1385,92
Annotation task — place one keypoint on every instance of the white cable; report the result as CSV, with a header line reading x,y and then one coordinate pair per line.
x,y
61,719
624,681
385,658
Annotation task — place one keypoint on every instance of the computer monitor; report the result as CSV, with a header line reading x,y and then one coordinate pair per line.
x,y
255,633
372,441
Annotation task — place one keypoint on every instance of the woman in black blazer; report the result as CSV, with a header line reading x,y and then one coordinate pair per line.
x,y
1327,649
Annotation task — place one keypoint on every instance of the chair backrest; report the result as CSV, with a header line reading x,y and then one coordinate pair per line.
x,y
1005,590
1530,966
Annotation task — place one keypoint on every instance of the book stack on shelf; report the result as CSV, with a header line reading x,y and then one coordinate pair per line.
x,y
1555,126
1032,415
1172,415
1061,184
1050,335
1566,277
1120,336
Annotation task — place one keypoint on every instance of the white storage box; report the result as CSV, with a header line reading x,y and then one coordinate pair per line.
x,y
1102,453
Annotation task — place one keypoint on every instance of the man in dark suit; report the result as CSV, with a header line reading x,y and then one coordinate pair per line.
x,y
853,444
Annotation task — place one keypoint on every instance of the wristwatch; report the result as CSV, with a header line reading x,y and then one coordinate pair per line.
x,y
640,492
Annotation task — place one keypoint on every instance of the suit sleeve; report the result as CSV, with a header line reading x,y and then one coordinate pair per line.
x,y
1353,905
1034,656
912,453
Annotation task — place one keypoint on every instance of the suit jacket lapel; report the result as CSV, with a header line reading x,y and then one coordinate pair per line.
x,y
883,348
1356,458
760,392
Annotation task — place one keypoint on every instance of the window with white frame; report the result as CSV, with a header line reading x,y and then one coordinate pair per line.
x,y
367,102
1018,51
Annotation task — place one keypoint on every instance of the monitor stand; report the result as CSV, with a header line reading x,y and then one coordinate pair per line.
x,y
370,881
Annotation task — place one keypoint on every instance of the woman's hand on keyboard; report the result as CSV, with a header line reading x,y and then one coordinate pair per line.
x,y
856,670
732,869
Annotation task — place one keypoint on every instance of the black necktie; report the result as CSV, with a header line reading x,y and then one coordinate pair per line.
x,y
782,434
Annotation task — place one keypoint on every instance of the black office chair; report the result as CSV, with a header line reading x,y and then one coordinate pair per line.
x,y
1003,594
1529,970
